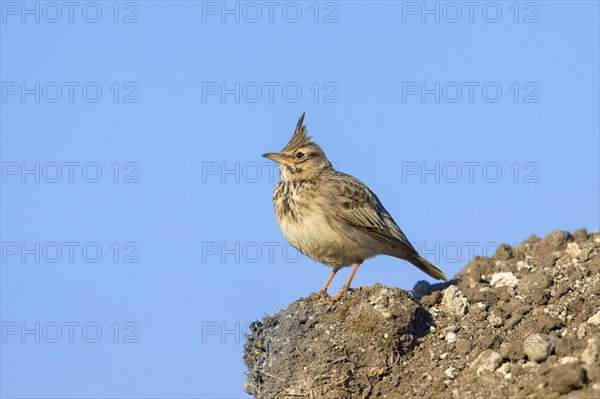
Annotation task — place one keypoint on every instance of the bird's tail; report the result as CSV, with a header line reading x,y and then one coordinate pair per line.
x,y
427,267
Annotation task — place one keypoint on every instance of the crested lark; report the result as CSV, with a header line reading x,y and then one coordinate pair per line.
x,y
333,217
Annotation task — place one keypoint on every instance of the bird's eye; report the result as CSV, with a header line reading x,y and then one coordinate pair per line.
x,y
299,155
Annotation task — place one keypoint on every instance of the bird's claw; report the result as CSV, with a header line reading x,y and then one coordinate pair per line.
x,y
343,294
318,296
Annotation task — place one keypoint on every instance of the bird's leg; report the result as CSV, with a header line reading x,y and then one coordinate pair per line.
x,y
323,293
344,292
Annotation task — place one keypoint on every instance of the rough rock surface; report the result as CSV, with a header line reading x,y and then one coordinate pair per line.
x,y
531,332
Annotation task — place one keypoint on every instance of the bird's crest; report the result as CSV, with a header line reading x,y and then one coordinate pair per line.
x,y
300,138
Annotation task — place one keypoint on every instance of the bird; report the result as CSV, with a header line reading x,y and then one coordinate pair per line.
x,y
333,217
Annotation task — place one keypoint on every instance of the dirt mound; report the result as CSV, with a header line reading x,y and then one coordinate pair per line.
x,y
525,323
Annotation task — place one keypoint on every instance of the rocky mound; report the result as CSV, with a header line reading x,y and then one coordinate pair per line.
x,y
525,323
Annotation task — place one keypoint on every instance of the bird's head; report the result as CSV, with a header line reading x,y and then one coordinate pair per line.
x,y
301,158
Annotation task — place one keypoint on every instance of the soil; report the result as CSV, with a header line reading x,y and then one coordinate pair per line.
x,y
522,324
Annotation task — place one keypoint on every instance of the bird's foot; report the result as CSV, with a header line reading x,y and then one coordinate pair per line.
x,y
343,294
318,296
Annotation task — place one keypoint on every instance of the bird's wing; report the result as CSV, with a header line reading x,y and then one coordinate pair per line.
x,y
360,208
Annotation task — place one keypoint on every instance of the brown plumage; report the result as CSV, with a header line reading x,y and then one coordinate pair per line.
x,y
333,217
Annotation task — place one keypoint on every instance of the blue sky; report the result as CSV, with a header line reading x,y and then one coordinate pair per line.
x,y
138,232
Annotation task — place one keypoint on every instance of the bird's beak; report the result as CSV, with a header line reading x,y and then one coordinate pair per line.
x,y
277,157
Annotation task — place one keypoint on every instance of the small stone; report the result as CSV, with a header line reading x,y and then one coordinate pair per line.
x,y
487,362
454,301
590,355
495,320
503,369
450,372
434,311
595,319
573,250
566,377
538,347
451,337
569,360
531,367
586,252
581,330
523,265
506,279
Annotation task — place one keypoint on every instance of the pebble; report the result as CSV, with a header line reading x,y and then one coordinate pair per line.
x,y
450,372
451,337
573,250
538,347
523,265
581,330
568,360
495,320
590,354
487,362
586,253
503,369
531,367
505,279
454,301
595,319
